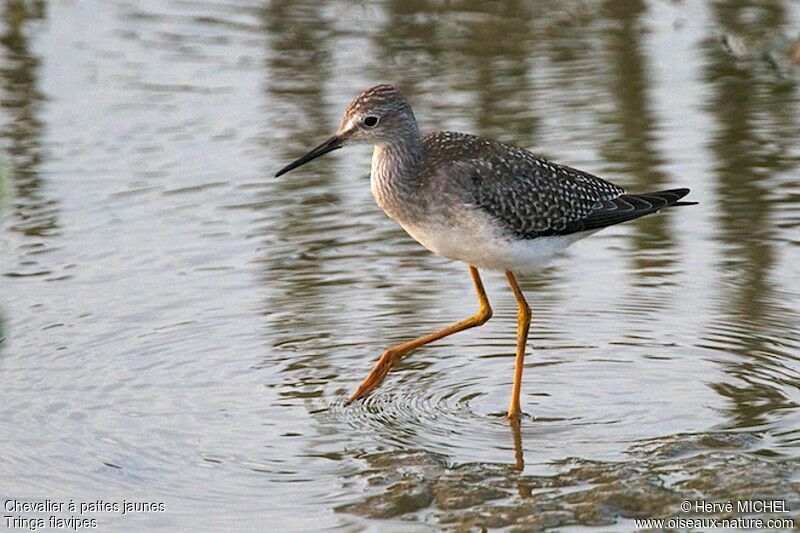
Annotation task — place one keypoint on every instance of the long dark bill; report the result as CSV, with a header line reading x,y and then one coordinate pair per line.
x,y
334,143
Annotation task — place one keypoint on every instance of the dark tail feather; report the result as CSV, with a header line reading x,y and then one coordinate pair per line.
x,y
630,206
670,196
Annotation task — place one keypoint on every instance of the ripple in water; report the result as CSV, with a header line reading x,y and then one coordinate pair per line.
x,y
454,420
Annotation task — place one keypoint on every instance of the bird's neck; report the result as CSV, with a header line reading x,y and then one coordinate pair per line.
x,y
396,166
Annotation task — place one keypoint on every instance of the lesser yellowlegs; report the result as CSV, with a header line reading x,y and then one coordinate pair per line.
x,y
488,204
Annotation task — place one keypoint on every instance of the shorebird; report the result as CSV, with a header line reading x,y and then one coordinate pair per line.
x,y
491,205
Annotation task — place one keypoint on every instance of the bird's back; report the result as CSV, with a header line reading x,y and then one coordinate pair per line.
x,y
527,195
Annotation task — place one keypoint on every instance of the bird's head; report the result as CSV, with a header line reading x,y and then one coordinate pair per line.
x,y
381,115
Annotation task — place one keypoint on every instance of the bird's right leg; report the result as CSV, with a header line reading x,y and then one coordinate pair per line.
x,y
523,325
393,355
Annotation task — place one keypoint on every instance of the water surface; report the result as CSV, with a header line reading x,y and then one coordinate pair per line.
x,y
179,326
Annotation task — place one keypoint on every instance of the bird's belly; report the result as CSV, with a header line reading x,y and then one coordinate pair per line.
x,y
483,246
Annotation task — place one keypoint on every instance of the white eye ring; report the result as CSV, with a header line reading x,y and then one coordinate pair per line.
x,y
371,121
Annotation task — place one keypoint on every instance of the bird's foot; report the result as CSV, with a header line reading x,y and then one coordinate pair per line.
x,y
376,375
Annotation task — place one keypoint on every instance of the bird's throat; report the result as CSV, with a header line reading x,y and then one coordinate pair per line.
x,y
395,179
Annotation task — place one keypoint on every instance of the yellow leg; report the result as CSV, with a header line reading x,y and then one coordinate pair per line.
x,y
523,324
392,355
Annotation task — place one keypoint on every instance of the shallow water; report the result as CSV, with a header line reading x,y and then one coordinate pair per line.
x,y
178,326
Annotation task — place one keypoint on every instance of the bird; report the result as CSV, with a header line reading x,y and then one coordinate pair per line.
x,y
485,203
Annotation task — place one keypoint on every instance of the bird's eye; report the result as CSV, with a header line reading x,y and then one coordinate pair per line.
x,y
370,121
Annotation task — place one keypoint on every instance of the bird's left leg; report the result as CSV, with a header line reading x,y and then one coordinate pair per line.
x,y
523,325
392,355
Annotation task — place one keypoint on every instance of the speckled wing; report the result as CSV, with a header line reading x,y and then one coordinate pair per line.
x,y
531,197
